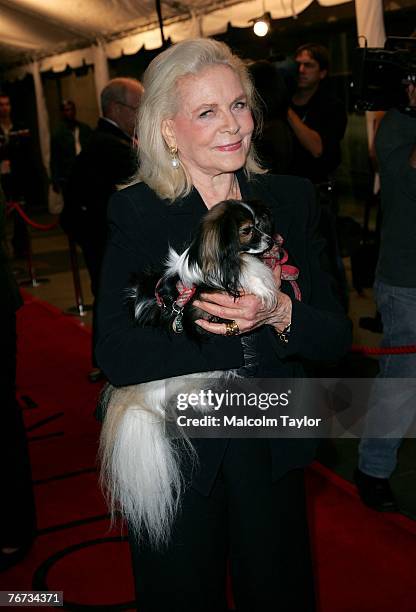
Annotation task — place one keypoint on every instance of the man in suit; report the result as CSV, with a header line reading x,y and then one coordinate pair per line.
x,y
105,162
67,142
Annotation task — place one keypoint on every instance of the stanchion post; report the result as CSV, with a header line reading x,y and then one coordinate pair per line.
x,y
32,280
81,309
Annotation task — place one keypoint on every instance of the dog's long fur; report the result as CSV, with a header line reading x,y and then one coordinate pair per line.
x,y
140,465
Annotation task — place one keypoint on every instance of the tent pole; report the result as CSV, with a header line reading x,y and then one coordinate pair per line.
x,y
160,18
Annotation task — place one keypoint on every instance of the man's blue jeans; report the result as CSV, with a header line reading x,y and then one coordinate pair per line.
x,y
378,456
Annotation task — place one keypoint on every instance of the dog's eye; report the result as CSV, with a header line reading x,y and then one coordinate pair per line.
x,y
246,231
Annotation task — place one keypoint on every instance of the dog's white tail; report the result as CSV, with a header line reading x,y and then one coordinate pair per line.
x,y
139,463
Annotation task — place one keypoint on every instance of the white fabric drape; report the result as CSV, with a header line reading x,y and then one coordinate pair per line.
x,y
370,27
370,22
42,115
101,73
91,18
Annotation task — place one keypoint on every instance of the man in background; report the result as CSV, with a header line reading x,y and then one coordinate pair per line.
x,y
16,170
318,120
67,142
392,408
107,161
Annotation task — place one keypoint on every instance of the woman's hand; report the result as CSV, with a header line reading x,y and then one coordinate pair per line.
x,y
247,311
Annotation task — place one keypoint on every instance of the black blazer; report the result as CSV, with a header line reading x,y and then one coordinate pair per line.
x,y
142,226
62,147
106,161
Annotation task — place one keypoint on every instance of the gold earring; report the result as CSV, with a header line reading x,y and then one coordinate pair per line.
x,y
174,158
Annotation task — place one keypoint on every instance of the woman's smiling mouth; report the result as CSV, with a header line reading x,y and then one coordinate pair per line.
x,y
230,147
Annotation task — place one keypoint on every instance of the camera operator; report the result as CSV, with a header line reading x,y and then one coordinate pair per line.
x,y
395,295
318,120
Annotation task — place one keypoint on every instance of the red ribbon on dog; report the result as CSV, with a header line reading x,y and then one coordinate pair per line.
x,y
277,255
184,294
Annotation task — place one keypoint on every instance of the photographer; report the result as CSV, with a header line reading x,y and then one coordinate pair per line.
x,y
395,295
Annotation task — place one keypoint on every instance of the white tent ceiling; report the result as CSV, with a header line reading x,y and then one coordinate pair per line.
x,y
62,32
40,35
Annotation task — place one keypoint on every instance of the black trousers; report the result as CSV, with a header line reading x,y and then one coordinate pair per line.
x,y
17,507
93,252
259,526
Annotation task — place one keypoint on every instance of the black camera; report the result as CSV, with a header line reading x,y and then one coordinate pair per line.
x,y
380,75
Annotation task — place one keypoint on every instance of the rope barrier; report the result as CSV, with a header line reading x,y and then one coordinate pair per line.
x,y
81,308
32,280
388,350
16,206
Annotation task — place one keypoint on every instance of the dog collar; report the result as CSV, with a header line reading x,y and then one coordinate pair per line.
x,y
185,294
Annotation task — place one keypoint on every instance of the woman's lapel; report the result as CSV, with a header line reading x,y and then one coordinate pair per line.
x,y
182,217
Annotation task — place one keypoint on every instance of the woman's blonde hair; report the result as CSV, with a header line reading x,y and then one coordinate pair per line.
x,y
159,102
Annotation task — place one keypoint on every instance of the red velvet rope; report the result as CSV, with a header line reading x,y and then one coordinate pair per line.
x,y
15,206
388,350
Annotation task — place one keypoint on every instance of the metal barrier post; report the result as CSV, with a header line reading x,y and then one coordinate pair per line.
x,y
80,309
32,280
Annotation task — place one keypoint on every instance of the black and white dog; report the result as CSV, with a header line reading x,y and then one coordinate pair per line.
x,y
140,464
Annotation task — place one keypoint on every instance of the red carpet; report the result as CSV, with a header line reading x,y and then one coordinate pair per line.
x,y
365,561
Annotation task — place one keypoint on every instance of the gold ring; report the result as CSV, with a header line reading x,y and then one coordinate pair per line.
x,y
231,328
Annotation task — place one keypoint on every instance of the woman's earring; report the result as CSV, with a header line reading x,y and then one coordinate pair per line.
x,y
174,158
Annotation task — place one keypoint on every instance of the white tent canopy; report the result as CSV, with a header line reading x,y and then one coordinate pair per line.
x,y
54,34
61,33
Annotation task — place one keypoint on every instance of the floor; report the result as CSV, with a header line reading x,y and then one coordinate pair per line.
x,y
52,281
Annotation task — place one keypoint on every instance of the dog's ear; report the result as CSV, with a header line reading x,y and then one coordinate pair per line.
x,y
216,247
263,216
230,261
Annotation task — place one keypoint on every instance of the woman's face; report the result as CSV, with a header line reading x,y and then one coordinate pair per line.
x,y
213,126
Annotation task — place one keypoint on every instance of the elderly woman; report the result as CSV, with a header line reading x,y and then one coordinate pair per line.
x,y
245,502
